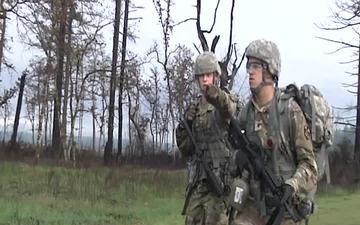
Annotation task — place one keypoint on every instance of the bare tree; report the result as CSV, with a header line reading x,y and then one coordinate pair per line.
x,y
182,78
3,31
163,9
41,22
98,91
109,143
6,7
68,71
226,79
151,92
36,100
61,18
18,109
38,31
31,110
122,70
134,87
5,113
347,17
139,122
87,42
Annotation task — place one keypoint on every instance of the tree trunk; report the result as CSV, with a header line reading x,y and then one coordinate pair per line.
x,y
357,130
2,37
67,75
156,111
56,136
5,122
134,118
102,117
81,121
18,109
129,124
151,128
93,113
169,89
72,119
122,70
42,103
109,143
48,118
141,137
33,129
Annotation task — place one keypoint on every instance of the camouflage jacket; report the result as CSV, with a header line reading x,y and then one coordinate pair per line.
x,y
281,130
210,131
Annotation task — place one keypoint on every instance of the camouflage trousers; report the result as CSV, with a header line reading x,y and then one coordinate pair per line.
x,y
249,215
205,208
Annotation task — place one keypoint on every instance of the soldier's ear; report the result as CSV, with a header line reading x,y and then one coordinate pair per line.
x,y
268,76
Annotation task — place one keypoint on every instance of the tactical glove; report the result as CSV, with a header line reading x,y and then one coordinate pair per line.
x,y
277,216
190,113
212,94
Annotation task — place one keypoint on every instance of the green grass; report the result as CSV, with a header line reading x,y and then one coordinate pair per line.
x,y
51,195
338,206
39,195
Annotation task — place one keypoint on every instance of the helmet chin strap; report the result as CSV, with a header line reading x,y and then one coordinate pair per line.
x,y
216,80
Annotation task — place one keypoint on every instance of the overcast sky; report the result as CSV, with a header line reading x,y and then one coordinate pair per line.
x,y
290,24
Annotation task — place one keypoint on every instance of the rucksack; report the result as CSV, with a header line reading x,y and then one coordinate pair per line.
x,y
320,119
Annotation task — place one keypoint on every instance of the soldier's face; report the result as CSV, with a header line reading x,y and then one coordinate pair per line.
x,y
255,69
206,80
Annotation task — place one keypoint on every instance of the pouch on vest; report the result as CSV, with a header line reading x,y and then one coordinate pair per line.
x,y
239,192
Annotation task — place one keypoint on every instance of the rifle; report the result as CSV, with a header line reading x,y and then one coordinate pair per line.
x,y
254,160
215,184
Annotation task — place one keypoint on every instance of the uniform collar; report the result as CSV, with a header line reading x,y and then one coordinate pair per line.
x,y
263,108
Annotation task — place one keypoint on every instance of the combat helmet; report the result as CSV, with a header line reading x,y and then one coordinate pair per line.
x,y
206,63
266,51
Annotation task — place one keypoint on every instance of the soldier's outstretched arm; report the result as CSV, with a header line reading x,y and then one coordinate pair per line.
x,y
305,177
221,100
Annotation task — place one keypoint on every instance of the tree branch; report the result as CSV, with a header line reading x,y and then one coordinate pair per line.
x,y
201,36
12,7
228,55
197,49
183,21
349,85
343,123
214,19
339,42
214,43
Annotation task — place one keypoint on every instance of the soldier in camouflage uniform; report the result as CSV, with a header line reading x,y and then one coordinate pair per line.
x,y
208,119
277,124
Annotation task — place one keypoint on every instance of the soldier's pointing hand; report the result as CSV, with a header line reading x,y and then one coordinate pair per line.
x,y
212,93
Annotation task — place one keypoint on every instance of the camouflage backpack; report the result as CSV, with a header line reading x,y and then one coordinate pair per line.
x,y
320,119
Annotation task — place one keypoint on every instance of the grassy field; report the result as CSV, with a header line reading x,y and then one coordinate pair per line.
x,y
50,195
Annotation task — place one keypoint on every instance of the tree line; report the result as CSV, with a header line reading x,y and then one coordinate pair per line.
x,y
73,82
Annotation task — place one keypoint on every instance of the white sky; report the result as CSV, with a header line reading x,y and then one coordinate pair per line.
x,y
290,24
